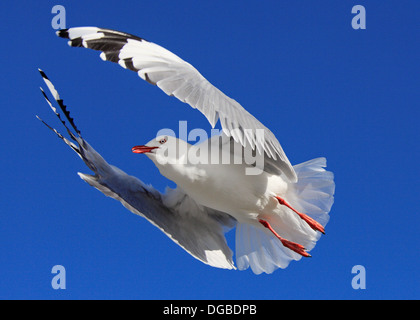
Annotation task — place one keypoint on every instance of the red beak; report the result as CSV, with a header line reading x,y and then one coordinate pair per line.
x,y
142,149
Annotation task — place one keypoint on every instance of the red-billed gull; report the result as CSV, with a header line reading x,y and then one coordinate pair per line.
x,y
279,210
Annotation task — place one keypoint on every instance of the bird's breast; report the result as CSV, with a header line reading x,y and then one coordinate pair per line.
x,y
227,188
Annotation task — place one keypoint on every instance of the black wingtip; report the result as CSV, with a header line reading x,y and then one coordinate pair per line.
x,y
43,74
44,94
60,102
63,33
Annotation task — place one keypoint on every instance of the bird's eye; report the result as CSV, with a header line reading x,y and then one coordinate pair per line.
x,y
162,141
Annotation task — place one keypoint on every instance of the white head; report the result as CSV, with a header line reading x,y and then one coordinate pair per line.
x,y
170,155
164,150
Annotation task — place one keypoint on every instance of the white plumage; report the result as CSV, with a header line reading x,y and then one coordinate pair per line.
x,y
274,211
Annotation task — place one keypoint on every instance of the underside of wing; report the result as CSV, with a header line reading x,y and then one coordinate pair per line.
x,y
198,230
178,78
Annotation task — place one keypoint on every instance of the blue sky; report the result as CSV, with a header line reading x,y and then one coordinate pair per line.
x,y
322,87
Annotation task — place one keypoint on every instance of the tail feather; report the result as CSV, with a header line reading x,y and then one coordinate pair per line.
x,y
261,251
313,195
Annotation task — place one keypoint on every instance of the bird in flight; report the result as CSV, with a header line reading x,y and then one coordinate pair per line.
x,y
279,210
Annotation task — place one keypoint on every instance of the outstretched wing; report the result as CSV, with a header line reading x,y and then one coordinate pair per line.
x,y
198,230
178,78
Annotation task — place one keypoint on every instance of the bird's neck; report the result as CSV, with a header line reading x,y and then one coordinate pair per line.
x,y
175,164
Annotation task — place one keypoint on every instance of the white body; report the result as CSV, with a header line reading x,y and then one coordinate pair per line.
x,y
197,213
226,187
249,198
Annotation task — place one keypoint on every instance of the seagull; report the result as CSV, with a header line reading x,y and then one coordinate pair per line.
x,y
279,210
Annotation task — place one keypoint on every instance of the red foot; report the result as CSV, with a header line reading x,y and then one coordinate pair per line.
x,y
296,247
311,222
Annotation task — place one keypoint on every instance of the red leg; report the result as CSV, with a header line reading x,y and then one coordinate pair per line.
x,y
296,247
311,222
